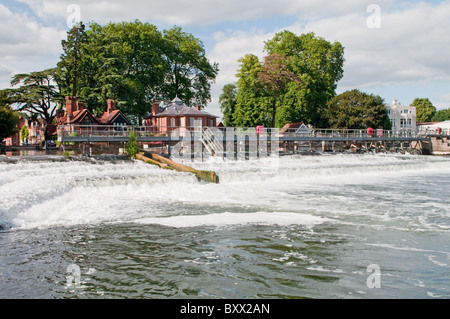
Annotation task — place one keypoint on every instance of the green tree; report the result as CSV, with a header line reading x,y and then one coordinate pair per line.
x,y
132,146
9,120
252,101
319,65
37,93
275,75
227,101
357,110
442,115
425,110
189,73
24,133
70,68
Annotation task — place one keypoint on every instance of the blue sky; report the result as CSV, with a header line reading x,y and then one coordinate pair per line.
x,y
398,51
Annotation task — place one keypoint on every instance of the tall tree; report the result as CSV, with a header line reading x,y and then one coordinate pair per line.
x,y
357,110
425,110
37,93
252,100
275,75
189,73
9,119
227,101
70,67
319,64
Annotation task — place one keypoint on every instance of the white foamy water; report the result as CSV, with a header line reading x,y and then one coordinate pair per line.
x,y
307,225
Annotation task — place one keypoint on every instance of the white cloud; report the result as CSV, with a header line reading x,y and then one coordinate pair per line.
x,y
25,45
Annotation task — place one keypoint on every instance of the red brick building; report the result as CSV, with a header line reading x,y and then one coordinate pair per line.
x,y
178,115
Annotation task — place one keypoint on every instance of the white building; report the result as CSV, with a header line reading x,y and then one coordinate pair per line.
x,y
403,118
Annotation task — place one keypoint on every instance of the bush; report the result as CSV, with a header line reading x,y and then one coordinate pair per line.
x,y
132,146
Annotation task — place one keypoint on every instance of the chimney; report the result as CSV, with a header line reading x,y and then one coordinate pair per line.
x,y
111,106
198,107
155,108
80,106
71,106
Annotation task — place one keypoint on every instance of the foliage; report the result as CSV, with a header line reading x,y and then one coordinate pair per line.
x,y
275,75
425,110
251,101
357,110
135,64
307,59
442,115
24,132
132,146
8,122
227,101
319,64
36,94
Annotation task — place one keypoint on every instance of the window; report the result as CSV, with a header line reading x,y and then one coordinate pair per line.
x,y
172,122
183,122
192,122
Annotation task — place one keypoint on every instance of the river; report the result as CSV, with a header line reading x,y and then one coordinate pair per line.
x,y
341,226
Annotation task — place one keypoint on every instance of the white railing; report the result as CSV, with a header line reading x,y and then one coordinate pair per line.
x,y
67,131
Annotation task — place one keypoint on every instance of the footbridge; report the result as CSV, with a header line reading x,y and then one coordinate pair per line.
x,y
219,141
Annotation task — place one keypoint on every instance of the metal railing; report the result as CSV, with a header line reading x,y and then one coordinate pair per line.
x,y
73,131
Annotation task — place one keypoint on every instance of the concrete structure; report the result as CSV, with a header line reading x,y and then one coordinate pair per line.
x,y
178,115
403,118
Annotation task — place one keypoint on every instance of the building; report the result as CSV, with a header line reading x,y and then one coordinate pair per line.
x,y
177,115
77,114
403,118
36,133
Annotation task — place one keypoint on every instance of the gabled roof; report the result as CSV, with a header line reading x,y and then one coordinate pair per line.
x,y
178,108
109,118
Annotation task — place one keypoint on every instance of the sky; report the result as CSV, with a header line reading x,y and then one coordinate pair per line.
x,y
397,49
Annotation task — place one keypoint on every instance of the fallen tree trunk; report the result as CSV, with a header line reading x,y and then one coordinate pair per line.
x,y
207,176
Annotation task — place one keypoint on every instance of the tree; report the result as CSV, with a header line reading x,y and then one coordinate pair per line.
x,y
275,75
9,120
132,147
252,102
24,133
425,110
357,110
70,67
37,93
189,74
227,101
442,115
319,65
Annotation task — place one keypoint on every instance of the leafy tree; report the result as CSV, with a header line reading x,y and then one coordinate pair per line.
x,y
24,133
36,94
275,75
8,121
70,67
251,99
442,115
319,65
425,109
132,146
227,102
357,110
189,74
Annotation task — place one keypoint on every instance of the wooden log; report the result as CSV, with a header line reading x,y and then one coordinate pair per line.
x,y
207,176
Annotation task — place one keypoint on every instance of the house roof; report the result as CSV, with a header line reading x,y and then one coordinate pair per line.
x,y
178,108
108,118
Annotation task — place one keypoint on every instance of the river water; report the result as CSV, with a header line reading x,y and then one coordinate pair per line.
x,y
332,226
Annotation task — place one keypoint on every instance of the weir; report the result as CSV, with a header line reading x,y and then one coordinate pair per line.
x,y
247,143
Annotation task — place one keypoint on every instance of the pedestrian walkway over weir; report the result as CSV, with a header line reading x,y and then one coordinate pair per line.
x,y
217,139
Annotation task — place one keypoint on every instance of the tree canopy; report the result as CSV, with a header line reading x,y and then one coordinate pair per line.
x,y
135,64
441,115
357,110
8,118
425,110
293,84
